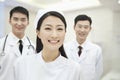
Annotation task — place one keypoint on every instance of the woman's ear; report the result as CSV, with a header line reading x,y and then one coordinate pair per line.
x,y
38,33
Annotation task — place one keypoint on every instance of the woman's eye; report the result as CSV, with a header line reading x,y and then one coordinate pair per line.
x,y
60,29
47,28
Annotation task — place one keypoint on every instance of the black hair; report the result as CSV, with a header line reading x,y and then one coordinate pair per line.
x,y
39,45
81,18
19,9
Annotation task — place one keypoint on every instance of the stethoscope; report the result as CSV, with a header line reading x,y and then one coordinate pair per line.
x,y
3,50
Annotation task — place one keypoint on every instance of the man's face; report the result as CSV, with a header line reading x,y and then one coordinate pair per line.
x,y
82,29
19,22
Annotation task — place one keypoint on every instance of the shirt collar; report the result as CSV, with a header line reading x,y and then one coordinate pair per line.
x,y
85,45
14,39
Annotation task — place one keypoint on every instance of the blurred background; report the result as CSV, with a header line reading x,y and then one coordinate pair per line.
x,y
105,28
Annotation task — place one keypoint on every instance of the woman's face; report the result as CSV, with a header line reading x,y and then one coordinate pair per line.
x,y
52,33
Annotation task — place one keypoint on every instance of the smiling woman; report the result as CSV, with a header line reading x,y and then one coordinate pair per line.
x,y
51,62
105,29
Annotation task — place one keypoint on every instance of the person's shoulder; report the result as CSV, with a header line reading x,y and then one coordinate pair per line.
x,y
69,42
95,45
29,41
72,63
2,40
3,37
75,66
25,59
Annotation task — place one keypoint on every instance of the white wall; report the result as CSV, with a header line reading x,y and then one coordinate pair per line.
x,y
116,40
2,19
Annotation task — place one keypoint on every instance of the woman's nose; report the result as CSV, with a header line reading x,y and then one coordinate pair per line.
x,y
54,33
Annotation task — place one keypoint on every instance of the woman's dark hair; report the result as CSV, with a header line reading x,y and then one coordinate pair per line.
x,y
39,45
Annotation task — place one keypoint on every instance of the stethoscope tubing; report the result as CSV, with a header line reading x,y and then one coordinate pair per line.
x,y
4,43
3,50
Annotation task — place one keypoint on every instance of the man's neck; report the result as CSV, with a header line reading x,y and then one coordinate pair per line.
x,y
81,41
20,36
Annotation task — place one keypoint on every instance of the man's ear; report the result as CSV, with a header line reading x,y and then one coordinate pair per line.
x,y
90,27
9,21
28,22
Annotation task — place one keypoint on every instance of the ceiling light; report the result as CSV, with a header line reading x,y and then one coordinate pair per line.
x,y
26,1
2,0
65,0
65,5
118,1
74,5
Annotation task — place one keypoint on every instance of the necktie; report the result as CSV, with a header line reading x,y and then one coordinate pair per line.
x,y
80,50
20,46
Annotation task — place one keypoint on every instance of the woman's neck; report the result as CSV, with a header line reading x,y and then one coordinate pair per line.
x,y
49,56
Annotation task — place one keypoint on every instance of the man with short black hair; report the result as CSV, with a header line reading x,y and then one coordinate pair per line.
x,y
16,43
83,51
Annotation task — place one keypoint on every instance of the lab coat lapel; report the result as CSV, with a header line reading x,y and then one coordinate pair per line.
x,y
25,46
85,51
14,49
83,55
73,53
25,50
17,52
13,44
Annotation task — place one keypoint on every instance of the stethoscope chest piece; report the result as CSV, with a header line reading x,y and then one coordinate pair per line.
x,y
2,53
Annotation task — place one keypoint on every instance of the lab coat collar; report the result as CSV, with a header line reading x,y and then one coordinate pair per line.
x,y
25,41
85,45
14,40
53,64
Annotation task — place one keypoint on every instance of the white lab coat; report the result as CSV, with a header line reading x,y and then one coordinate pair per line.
x,y
11,54
90,59
33,67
